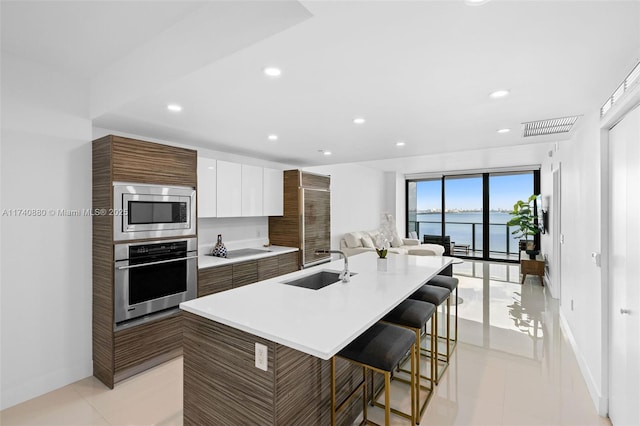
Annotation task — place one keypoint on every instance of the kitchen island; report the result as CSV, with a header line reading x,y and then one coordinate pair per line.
x,y
301,330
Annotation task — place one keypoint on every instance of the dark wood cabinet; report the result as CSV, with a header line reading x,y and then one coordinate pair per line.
x,y
245,273
214,280
268,268
287,263
306,223
123,353
220,278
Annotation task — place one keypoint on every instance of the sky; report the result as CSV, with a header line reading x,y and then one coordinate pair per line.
x,y
466,193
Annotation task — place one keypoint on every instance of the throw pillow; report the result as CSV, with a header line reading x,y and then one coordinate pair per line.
x,y
367,242
353,239
396,241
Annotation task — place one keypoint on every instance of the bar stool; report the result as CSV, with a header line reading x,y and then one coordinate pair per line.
x,y
451,284
379,349
414,315
436,296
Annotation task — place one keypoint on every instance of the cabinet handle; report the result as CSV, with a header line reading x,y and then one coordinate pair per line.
x,y
625,311
139,265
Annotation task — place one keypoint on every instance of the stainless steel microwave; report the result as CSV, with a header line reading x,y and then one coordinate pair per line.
x,y
153,211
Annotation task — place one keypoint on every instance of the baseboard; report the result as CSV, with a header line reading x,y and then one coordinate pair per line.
x,y
40,385
599,401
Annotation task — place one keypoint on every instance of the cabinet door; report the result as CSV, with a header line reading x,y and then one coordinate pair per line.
x,y
245,273
214,280
288,262
316,220
268,268
207,170
273,194
251,190
229,187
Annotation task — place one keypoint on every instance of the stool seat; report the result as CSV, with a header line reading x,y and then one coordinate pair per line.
x,y
411,313
450,283
431,294
382,346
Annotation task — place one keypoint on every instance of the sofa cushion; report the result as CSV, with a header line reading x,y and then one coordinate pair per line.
x,y
367,241
353,239
396,241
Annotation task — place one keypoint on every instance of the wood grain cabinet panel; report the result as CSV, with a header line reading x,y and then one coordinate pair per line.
x,y
117,355
288,262
245,273
148,162
136,345
214,280
268,268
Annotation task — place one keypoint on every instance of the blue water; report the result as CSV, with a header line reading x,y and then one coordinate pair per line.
x,y
459,227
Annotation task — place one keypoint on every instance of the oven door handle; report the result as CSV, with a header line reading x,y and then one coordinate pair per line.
x,y
156,263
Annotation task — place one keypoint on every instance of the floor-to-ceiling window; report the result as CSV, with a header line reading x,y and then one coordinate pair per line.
x,y
464,208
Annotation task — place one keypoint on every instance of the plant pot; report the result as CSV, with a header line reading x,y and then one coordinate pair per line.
x,y
532,254
382,264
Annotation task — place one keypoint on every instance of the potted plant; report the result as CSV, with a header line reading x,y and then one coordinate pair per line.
x,y
523,217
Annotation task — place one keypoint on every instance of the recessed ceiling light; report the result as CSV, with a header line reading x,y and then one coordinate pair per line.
x,y
273,137
499,93
174,107
475,2
504,130
327,152
359,120
272,71
400,143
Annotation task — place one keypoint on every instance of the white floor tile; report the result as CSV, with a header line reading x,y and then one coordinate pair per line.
x,y
512,366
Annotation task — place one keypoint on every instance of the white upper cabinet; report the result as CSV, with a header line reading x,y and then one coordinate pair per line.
x,y
251,191
273,200
229,188
207,172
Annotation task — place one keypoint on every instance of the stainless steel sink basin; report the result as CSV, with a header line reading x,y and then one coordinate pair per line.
x,y
317,280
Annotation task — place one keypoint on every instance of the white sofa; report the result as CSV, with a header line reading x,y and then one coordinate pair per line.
x,y
361,241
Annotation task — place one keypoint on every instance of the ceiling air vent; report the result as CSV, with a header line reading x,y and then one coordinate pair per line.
x,y
551,126
624,87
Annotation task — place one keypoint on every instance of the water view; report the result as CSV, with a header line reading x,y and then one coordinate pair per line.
x,y
462,197
462,226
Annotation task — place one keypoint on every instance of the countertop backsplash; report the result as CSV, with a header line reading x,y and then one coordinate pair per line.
x,y
237,232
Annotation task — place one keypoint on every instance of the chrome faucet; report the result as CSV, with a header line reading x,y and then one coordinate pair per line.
x,y
345,275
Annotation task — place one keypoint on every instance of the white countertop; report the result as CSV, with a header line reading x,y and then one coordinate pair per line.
x,y
206,261
320,322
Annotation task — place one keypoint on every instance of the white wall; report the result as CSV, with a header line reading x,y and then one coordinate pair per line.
x,y
581,296
357,198
46,261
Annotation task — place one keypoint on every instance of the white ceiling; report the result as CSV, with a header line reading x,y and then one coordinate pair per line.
x,y
418,71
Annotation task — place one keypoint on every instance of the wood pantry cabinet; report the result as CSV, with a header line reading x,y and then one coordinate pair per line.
x,y
118,354
306,222
220,278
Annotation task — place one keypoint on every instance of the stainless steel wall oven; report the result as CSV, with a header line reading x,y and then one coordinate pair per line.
x,y
152,277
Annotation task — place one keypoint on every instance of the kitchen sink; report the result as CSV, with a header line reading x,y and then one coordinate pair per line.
x,y
316,281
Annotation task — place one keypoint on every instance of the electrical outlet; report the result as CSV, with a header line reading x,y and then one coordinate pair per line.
x,y
261,356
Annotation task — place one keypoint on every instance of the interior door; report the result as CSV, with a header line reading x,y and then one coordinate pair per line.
x,y
624,252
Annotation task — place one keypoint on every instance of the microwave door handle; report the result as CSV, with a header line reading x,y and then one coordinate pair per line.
x,y
156,263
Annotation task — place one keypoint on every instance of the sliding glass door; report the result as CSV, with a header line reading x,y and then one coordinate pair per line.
x,y
504,190
463,208
458,211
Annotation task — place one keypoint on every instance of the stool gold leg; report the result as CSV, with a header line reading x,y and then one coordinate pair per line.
x,y
364,398
387,399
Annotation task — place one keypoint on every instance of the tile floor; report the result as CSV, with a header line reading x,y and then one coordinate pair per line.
x,y
513,366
